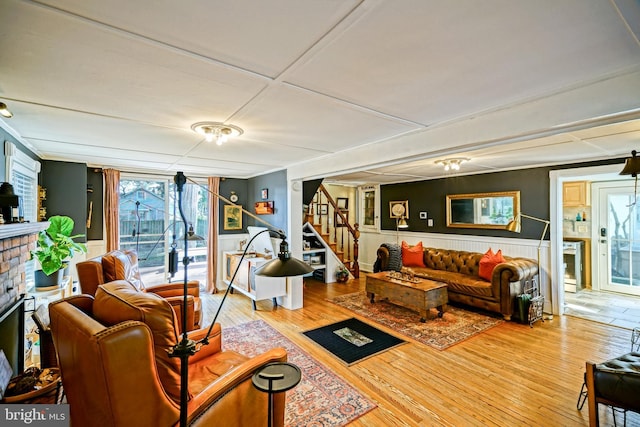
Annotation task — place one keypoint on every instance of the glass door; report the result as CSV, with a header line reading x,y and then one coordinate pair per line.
x,y
150,224
619,239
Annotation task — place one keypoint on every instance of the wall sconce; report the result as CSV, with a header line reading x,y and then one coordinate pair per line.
x,y
452,164
4,111
215,131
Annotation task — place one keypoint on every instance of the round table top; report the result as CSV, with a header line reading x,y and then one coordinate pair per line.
x,y
277,377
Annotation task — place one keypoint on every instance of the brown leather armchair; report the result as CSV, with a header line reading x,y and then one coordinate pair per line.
x,y
123,265
112,352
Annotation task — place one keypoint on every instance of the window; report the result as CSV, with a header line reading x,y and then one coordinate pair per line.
x,y
369,202
151,231
22,172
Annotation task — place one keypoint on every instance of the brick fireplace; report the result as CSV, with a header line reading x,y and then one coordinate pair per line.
x,y
16,240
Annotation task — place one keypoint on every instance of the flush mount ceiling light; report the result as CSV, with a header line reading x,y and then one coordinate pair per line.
x,y
452,164
4,111
216,131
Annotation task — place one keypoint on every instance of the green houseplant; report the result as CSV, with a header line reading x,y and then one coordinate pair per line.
x,y
54,248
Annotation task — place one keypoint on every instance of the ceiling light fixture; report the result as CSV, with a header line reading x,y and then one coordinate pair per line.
x,y
4,111
216,131
452,164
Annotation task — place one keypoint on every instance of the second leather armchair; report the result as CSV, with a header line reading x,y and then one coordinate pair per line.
x,y
123,265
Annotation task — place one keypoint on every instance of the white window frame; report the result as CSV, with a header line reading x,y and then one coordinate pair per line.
x,y
362,190
17,161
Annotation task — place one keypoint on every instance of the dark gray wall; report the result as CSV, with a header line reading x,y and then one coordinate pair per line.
x,y
66,185
276,185
430,196
227,185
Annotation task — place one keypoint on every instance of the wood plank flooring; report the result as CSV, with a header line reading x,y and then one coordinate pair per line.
x,y
510,375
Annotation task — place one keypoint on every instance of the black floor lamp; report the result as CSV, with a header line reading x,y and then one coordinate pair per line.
x,y
282,266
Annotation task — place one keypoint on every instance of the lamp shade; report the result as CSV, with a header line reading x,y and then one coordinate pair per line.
x,y
284,266
514,225
287,267
631,165
191,235
402,223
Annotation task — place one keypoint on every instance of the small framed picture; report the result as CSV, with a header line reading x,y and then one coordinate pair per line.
x,y
315,260
343,203
264,208
264,193
233,217
323,209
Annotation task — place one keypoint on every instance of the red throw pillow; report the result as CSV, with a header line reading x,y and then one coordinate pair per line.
x,y
412,256
488,262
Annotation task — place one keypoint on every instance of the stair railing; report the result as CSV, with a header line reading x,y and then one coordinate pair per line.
x,y
345,236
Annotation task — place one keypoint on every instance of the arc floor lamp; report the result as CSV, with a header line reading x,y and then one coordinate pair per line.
x,y
515,226
283,266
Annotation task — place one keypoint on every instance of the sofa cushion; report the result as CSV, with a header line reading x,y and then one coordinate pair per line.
x,y
488,262
412,256
458,282
119,301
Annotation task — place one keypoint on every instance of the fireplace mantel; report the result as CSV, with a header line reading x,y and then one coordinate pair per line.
x,y
20,229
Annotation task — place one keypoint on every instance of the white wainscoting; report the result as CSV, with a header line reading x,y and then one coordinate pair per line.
x,y
527,248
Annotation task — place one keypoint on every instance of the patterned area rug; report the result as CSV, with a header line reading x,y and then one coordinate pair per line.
x,y
456,325
321,398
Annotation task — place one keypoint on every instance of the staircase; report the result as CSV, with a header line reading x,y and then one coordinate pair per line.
x,y
332,225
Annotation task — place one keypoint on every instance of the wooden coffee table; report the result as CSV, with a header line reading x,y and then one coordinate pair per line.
x,y
421,296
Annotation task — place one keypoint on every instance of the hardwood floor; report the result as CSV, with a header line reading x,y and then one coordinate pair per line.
x,y
509,375
605,307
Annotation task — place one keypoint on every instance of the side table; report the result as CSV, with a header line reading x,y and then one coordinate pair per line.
x,y
274,378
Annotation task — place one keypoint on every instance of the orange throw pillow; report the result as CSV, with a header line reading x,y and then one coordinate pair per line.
x,y
412,256
488,262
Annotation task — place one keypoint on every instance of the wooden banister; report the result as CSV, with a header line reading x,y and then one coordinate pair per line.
x,y
344,239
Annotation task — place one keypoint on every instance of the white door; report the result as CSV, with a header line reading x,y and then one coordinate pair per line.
x,y
618,237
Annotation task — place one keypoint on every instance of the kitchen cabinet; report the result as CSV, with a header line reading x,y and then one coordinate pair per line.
x,y
576,193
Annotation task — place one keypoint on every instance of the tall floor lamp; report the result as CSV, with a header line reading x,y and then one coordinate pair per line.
x,y
401,223
283,266
515,225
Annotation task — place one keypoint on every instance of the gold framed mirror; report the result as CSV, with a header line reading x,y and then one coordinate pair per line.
x,y
482,210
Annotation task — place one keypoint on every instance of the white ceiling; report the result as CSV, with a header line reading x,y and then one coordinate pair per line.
x,y
359,91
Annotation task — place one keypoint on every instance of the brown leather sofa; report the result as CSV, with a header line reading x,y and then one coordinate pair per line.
x,y
459,270
113,355
123,265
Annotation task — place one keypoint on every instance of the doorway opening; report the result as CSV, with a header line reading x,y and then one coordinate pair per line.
x,y
599,259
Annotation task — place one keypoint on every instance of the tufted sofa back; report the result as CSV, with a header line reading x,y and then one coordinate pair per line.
x,y
455,261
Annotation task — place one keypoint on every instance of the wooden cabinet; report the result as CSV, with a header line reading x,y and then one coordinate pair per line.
x,y
576,193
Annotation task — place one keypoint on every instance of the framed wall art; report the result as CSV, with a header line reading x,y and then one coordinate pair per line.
x,y
264,208
343,203
264,193
232,217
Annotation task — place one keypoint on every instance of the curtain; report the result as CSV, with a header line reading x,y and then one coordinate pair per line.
x,y
212,235
111,208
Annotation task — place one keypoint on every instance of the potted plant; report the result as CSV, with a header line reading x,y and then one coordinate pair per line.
x,y
54,248
342,274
